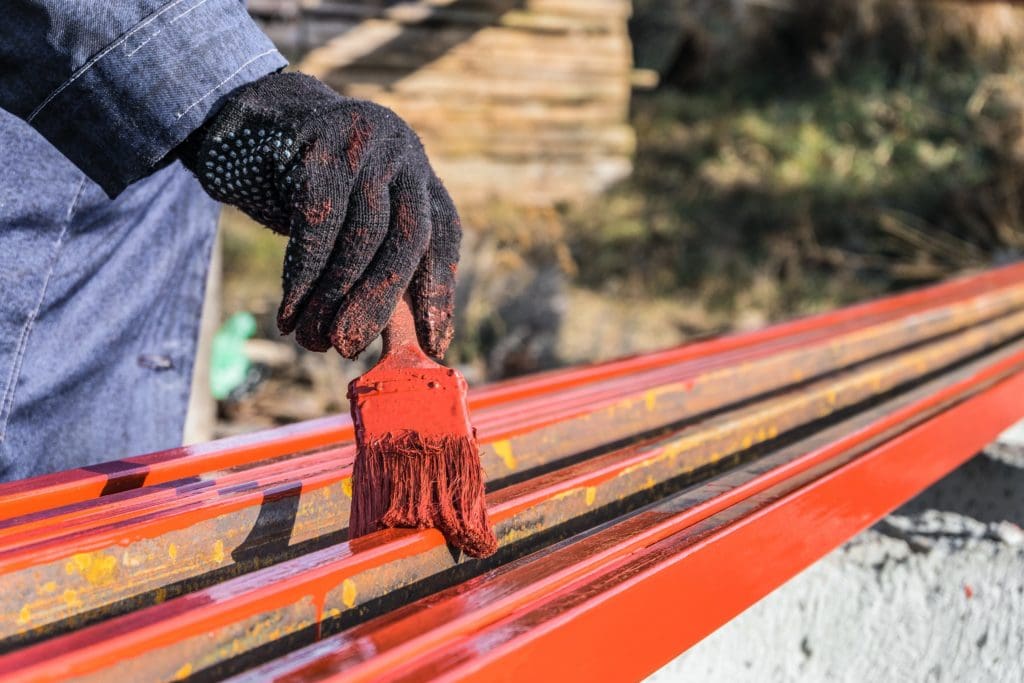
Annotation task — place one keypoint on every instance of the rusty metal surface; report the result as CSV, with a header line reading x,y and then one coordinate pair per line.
x,y
429,636
243,556
141,547
350,580
65,488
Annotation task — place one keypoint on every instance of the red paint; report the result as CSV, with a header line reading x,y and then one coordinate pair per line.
x,y
785,528
49,539
515,418
316,215
406,390
48,491
359,135
434,630
63,488
417,464
988,410
636,606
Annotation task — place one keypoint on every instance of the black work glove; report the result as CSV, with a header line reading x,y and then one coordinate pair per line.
x,y
350,185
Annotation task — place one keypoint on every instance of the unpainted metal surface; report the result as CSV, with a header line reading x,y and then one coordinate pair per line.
x,y
433,629
66,569
350,578
63,488
752,550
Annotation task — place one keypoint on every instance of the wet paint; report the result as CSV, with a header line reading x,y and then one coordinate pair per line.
x,y
40,493
96,549
433,629
391,562
233,517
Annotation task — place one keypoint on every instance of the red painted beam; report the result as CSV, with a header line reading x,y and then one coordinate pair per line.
x,y
198,628
446,633
658,603
523,418
852,360
40,493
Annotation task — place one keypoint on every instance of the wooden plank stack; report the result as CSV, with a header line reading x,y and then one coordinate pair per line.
x,y
523,102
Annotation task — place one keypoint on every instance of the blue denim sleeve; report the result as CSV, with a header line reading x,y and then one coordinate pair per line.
x,y
115,85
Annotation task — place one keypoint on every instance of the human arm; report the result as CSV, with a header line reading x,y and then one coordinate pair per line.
x,y
117,85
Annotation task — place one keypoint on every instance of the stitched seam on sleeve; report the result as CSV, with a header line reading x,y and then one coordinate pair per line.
x,y
218,86
161,30
7,405
82,70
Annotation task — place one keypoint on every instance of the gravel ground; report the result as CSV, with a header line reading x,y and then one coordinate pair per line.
x,y
934,592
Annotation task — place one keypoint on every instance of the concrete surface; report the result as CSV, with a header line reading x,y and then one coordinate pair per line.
x,y
934,592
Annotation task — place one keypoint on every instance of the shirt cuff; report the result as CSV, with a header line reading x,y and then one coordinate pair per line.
x,y
125,109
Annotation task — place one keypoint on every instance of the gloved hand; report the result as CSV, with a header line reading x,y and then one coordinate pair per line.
x,y
350,185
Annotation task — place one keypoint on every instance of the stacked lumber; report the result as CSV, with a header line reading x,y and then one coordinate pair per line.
x,y
520,101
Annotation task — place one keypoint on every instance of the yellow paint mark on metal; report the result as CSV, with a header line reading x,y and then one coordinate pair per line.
x,y
591,495
184,672
48,587
748,441
333,612
348,593
218,551
513,535
25,615
172,552
81,562
160,595
71,598
102,569
564,494
773,431
650,399
96,568
503,449
644,464
831,397
346,486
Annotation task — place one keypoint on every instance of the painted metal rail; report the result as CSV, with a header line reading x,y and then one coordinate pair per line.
x,y
699,477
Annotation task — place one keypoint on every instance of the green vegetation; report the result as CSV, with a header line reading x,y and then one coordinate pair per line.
x,y
788,175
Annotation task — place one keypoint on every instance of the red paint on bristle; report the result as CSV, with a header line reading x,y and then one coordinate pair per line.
x,y
418,463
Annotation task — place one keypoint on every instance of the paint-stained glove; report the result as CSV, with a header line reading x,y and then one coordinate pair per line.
x,y
350,185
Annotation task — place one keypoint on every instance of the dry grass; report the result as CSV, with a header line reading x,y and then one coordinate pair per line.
x,y
805,154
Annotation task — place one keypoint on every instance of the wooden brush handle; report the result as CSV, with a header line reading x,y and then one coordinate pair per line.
x,y
401,347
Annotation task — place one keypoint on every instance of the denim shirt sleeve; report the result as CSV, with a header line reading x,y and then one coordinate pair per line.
x,y
117,84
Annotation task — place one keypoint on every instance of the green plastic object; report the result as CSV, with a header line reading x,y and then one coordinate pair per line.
x,y
229,365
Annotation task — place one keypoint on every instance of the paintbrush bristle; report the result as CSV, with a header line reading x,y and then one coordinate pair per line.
x,y
418,464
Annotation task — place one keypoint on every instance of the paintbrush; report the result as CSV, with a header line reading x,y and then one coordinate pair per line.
x,y
418,463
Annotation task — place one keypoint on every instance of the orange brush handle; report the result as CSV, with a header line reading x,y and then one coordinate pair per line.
x,y
401,346
406,390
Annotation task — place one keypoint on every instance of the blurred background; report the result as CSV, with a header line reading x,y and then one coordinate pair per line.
x,y
632,175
